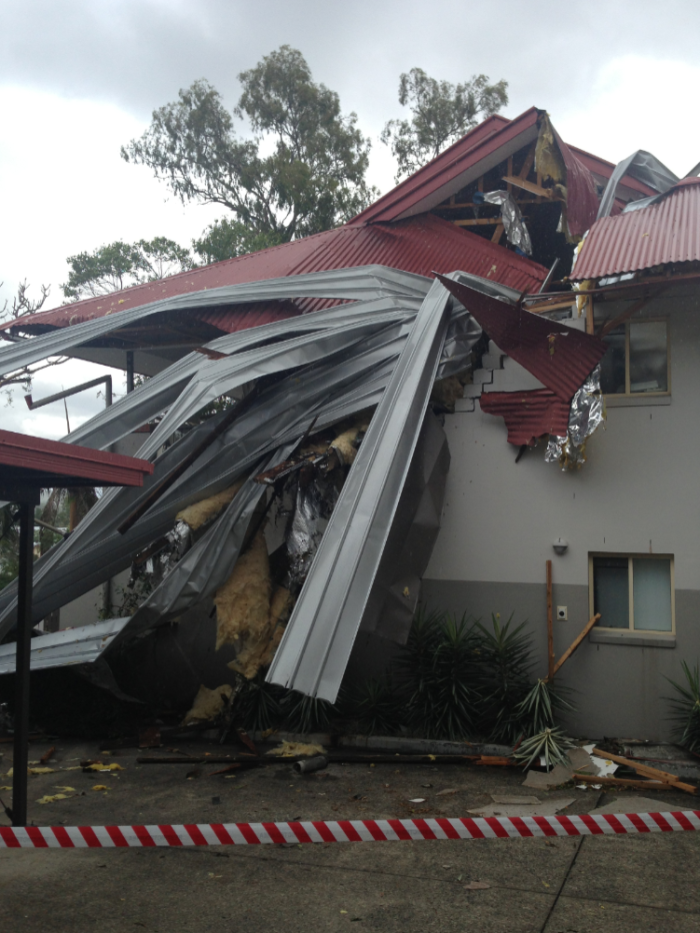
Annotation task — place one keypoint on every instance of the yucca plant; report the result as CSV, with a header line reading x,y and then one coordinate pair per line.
x,y
551,744
535,713
306,714
685,709
438,675
258,706
504,660
375,706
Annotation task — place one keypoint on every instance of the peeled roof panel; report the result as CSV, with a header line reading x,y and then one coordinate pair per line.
x,y
559,356
317,642
667,231
528,414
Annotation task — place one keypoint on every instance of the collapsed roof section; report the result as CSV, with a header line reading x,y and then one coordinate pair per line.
x,y
177,314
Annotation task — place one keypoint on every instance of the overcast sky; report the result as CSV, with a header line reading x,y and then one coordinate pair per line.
x,y
79,78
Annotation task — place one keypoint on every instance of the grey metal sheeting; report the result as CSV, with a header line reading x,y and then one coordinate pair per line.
x,y
317,642
382,350
70,646
360,284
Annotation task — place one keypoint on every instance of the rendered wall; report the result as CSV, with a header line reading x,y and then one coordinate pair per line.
x,y
637,493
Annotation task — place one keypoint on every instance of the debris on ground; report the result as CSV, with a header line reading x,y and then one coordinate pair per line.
x,y
208,704
296,749
631,805
544,808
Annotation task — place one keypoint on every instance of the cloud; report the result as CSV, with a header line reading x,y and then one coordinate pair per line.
x,y
639,102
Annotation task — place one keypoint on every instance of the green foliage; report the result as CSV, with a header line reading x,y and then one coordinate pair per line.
x,y
306,714
503,678
118,265
439,670
225,239
376,707
551,744
685,708
258,706
311,180
9,546
441,113
537,710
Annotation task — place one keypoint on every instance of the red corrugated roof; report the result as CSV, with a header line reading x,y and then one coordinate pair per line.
x,y
528,414
428,182
666,231
33,461
559,356
420,245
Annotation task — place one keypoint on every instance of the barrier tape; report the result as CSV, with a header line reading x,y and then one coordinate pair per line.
x,y
236,834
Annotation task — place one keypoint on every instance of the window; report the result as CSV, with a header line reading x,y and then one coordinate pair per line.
x,y
632,593
637,361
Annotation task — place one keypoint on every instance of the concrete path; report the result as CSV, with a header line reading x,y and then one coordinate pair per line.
x,y
572,885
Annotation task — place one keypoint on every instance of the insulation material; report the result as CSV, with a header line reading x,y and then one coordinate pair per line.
x,y
586,414
199,513
573,181
306,529
345,445
511,218
243,602
257,649
207,704
296,750
446,392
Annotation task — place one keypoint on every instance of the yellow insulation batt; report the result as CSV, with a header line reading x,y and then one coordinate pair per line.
x,y
296,749
257,648
243,602
199,513
344,444
208,703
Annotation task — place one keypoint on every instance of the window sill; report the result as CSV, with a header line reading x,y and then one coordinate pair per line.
x,y
634,401
639,639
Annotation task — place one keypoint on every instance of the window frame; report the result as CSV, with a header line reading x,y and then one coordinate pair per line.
x,y
631,631
628,394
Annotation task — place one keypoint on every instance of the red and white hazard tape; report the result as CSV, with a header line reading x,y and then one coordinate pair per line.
x,y
236,834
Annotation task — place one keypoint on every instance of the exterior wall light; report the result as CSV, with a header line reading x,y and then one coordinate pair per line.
x,y
561,545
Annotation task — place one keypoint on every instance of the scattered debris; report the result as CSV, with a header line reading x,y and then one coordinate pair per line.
x,y
318,763
208,704
631,805
296,749
477,886
48,755
545,808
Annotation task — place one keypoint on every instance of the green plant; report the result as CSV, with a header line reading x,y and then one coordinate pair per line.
x,y
505,657
375,706
685,708
535,714
258,705
306,714
439,672
551,744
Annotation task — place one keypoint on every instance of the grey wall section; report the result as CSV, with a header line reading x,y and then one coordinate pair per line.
x,y
638,493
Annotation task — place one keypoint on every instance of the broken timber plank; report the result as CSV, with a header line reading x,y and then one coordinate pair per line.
x,y
620,782
574,645
548,193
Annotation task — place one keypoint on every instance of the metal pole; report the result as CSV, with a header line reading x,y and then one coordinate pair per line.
x,y
129,370
24,635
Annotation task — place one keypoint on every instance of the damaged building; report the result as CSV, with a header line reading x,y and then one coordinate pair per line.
x,y
469,379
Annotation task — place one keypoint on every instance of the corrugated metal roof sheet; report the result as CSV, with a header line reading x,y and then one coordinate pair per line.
x,y
425,189
476,145
528,414
559,356
420,245
667,231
